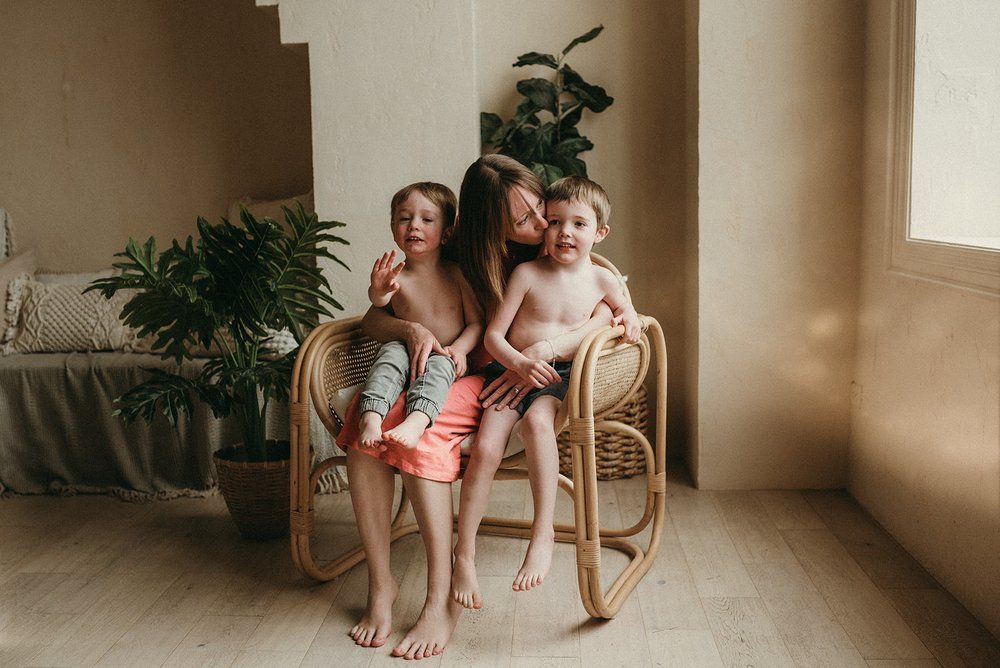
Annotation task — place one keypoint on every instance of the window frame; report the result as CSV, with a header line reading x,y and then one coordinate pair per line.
x,y
966,267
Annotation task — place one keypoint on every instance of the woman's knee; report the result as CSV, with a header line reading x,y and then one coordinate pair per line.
x,y
488,452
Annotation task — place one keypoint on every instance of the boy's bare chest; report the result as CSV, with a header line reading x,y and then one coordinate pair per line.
x,y
427,297
569,300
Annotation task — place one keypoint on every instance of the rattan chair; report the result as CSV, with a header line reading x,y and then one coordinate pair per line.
x,y
605,374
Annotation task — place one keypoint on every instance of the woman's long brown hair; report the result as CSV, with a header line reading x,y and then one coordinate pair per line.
x,y
484,218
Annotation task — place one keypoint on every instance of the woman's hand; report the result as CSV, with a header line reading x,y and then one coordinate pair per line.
x,y
508,389
505,391
420,343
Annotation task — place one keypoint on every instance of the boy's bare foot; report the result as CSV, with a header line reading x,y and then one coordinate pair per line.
x,y
465,583
536,563
408,432
370,429
375,626
431,632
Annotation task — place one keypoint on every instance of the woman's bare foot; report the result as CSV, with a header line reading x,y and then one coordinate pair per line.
x,y
375,626
370,429
408,432
465,583
536,563
431,632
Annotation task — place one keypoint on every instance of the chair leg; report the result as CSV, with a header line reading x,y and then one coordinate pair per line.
x,y
590,538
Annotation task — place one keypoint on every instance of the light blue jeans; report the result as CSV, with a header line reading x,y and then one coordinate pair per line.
x,y
388,377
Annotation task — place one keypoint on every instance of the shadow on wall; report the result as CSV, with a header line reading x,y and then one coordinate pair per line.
x,y
650,248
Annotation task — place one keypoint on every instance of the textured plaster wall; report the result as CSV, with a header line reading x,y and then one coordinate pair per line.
x,y
779,136
121,119
393,102
925,418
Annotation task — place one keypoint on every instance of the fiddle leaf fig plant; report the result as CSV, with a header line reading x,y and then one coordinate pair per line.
x,y
543,134
229,292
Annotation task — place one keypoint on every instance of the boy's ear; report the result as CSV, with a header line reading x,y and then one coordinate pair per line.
x,y
446,235
601,233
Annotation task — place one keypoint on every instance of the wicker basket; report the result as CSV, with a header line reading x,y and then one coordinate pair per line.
x,y
256,493
618,455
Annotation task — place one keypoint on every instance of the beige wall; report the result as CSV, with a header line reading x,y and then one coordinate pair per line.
x,y
393,103
133,118
639,153
925,420
778,213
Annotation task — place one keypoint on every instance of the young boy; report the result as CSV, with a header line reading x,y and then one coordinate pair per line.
x,y
426,289
544,298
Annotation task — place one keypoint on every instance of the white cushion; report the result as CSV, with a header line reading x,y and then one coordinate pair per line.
x,y
61,318
21,264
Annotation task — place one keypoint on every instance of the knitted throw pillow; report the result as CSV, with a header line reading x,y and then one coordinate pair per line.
x,y
60,318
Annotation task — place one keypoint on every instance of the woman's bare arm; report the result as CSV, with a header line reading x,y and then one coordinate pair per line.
x,y
384,326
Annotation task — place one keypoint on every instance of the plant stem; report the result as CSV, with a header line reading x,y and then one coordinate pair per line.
x,y
559,93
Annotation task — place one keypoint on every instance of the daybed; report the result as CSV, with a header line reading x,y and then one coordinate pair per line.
x,y
64,358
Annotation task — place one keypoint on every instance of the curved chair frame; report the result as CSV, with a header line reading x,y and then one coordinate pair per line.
x,y
338,350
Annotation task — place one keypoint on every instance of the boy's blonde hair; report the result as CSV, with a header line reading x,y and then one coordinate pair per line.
x,y
439,195
582,189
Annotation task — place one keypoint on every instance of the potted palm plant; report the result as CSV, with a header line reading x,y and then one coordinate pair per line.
x,y
229,292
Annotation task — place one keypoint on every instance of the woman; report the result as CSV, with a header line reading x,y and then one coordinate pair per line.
x,y
501,223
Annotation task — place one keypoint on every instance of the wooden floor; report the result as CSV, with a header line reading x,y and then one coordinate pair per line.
x,y
743,578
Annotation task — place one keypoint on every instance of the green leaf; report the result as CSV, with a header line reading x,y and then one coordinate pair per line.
x,y
547,173
541,92
592,97
164,393
525,114
535,58
569,165
586,37
489,123
570,147
572,112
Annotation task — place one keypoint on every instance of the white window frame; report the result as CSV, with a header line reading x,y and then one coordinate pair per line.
x,y
967,267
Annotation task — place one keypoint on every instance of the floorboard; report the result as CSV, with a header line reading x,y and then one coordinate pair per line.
x,y
768,578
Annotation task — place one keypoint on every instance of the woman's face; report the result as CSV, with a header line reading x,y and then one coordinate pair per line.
x,y
528,223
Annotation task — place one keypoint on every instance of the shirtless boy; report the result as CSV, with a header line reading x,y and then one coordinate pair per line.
x,y
427,289
544,298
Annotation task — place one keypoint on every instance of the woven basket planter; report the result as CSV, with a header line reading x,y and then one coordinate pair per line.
x,y
256,493
618,455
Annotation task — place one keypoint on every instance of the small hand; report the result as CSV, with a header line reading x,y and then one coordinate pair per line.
x,y
459,359
630,320
538,372
383,279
